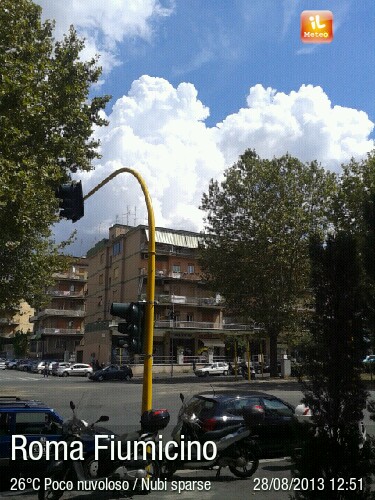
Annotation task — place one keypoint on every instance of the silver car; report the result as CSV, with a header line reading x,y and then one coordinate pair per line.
x,y
76,369
219,368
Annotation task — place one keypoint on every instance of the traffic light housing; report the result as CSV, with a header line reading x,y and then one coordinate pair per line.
x,y
121,342
134,326
71,200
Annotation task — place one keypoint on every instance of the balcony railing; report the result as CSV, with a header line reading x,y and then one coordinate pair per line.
x,y
201,325
65,293
71,313
183,299
70,276
60,331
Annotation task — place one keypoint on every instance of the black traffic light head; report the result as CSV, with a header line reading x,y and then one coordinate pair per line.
x,y
120,342
134,315
71,200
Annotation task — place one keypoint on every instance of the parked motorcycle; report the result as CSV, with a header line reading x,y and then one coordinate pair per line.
x,y
102,467
235,447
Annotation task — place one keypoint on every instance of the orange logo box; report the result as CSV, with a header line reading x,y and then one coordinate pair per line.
x,y
316,26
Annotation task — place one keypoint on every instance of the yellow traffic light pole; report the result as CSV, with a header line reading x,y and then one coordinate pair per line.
x,y
150,290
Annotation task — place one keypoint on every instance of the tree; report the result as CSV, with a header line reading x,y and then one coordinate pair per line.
x,y
334,390
46,123
257,225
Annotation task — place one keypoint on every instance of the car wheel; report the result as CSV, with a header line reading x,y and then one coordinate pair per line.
x,y
87,374
100,378
65,374
246,463
225,372
206,374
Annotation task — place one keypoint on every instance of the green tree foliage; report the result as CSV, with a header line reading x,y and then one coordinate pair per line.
x,y
46,123
20,342
334,390
256,236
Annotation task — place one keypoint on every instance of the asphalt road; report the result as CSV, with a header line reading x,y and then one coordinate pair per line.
x,y
121,401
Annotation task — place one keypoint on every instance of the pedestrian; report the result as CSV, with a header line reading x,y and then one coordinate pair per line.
x,y
45,371
194,365
96,365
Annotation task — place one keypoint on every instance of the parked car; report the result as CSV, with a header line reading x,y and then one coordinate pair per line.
x,y
76,369
277,434
11,364
304,415
369,362
112,372
56,365
41,366
2,364
218,368
33,419
24,365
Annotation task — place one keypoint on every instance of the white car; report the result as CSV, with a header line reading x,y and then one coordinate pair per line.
x,y
219,368
76,369
2,364
303,414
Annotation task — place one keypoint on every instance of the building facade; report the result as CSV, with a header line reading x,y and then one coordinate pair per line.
x,y
189,316
12,322
59,327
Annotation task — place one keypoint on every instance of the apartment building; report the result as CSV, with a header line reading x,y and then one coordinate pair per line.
x,y
188,315
59,327
14,321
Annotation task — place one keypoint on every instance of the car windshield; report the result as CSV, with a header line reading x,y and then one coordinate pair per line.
x,y
207,366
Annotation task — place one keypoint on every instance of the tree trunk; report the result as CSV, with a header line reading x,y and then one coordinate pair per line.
x,y
273,331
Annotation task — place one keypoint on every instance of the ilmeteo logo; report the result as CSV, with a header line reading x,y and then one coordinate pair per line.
x,y
316,26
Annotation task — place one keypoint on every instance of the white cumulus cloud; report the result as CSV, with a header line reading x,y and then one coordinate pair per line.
x,y
105,24
160,131
303,123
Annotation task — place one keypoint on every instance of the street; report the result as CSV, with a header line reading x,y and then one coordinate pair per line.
x,y
121,401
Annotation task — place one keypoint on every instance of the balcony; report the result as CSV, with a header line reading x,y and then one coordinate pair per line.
x,y
184,299
70,276
60,331
71,313
66,293
201,325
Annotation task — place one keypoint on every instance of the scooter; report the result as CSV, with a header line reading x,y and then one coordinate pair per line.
x,y
94,468
234,447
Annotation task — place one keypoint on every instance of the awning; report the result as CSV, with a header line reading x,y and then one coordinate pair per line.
x,y
213,342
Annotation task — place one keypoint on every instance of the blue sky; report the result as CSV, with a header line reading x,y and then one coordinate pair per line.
x,y
196,82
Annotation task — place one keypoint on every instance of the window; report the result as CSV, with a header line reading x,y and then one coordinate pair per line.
x,y
189,317
190,269
277,408
116,272
100,279
101,258
176,268
35,423
117,248
236,406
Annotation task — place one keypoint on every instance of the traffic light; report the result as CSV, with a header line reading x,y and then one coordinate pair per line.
x,y
120,342
71,200
134,315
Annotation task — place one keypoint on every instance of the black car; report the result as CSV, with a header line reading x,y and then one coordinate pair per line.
x,y
278,433
112,372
